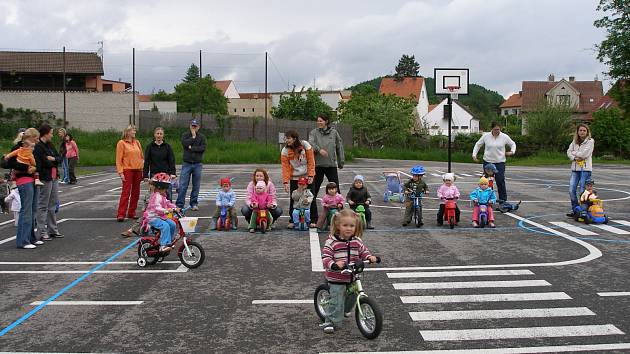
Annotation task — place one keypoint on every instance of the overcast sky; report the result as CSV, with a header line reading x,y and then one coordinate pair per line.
x,y
332,43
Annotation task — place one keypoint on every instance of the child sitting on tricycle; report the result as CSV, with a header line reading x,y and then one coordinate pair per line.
x,y
448,195
261,202
332,202
591,208
483,198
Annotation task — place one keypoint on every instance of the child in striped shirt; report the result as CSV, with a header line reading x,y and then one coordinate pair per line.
x,y
343,246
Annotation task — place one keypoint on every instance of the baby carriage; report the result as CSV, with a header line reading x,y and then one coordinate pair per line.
x,y
395,188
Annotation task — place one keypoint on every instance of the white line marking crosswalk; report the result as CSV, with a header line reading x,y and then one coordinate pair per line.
x,y
471,284
573,228
463,273
613,229
440,299
523,332
512,313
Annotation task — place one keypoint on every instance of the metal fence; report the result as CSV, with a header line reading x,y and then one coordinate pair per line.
x,y
238,128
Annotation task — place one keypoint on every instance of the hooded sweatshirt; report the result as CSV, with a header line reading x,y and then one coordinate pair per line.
x,y
329,140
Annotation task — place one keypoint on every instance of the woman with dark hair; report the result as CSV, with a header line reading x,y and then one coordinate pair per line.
x,y
297,161
494,152
48,161
72,156
580,152
159,157
329,155
260,174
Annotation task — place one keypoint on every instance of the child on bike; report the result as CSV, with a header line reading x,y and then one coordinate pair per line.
x,y
302,198
343,246
158,208
359,195
415,185
332,199
225,198
483,195
261,200
447,190
589,193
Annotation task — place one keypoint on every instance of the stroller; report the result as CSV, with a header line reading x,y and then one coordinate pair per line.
x,y
395,189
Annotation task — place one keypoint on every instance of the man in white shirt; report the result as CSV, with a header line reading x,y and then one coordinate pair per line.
x,y
494,152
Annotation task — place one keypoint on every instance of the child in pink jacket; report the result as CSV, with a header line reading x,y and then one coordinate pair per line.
x,y
447,190
332,199
158,207
261,200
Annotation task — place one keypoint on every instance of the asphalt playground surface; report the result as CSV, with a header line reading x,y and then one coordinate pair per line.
x,y
539,282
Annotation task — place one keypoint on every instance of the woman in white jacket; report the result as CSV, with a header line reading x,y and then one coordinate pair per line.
x,y
580,152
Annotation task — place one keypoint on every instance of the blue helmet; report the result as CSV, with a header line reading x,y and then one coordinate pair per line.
x,y
417,170
491,167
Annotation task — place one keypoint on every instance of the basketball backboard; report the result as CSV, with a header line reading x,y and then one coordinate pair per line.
x,y
446,78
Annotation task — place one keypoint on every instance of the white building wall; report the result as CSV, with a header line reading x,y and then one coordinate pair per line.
x,y
461,118
162,106
89,111
231,92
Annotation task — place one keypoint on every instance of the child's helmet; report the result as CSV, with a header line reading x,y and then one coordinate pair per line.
x,y
261,184
491,167
417,170
225,181
483,180
359,178
161,180
448,177
302,181
589,181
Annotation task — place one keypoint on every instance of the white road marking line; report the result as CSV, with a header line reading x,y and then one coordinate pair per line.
x,y
471,284
114,189
463,273
615,293
487,314
66,204
438,171
466,174
78,263
6,222
95,175
8,240
513,350
124,271
522,332
441,299
273,302
316,252
435,175
88,303
104,180
622,222
75,187
613,229
573,228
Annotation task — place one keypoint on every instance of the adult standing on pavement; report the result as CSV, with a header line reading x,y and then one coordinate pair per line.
x,y
25,181
297,161
48,161
494,152
329,155
129,164
580,152
72,156
61,132
159,157
194,144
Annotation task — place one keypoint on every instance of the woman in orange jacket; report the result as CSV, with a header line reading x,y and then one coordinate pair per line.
x,y
298,160
129,164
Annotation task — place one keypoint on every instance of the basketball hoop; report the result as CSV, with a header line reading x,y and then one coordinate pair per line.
x,y
454,91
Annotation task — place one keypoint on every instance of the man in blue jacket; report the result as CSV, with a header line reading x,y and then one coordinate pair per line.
x,y
194,144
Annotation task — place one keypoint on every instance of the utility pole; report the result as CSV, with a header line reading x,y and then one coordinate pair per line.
x,y
266,138
65,121
200,93
133,84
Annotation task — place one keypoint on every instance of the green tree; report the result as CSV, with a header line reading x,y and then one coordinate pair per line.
x,y
162,95
200,96
611,132
300,106
192,74
614,51
549,126
378,119
407,67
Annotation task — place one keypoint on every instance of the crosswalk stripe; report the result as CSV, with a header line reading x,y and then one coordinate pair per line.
x,y
463,273
615,293
513,313
466,174
471,284
514,350
522,332
436,175
573,228
622,222
438,171
613,229
440,299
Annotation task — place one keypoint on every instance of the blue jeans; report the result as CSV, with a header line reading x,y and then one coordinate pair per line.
x,y
167,229
66,169
499,177
184,178
25,228
307,216
576,185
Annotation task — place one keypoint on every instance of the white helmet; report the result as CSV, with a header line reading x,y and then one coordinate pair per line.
x,y
449,177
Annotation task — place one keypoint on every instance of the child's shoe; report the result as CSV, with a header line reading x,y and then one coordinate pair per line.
x,y
475,224
213,224
251,231
369,226
329,328
165,248
234,227
38,182
491,224
269,227
290,226
405,223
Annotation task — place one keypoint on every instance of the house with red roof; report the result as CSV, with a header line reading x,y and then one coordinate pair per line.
x,y
463,121
513,105
227,88
413,88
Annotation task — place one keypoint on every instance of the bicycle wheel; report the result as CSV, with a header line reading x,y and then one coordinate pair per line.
x,y
416,217
451,222
145,251
263,226
196,256
370,318
322,298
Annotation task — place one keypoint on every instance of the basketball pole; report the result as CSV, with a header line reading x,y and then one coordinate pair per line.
x,y
450,117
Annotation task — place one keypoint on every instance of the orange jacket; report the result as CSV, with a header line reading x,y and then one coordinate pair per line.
x,y
129,155
305,155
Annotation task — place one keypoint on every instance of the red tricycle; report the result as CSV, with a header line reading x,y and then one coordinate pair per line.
x,y
262,220
190,253
449,212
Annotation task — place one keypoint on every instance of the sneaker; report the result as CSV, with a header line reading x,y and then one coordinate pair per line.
x,y
290,226
39,242
194,208
369,226
234,227
29,246
571,214
420,223
405,223
126,233
347,314
56,235
268,227
329,329
251,231
312,226
46,238
475,224
165,248
491,224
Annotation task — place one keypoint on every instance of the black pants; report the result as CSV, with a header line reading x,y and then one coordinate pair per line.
x,y
320,172
499,178
247,212
72,164
440,214
368,213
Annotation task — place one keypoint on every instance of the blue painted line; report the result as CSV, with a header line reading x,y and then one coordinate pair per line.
x,y
62,291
